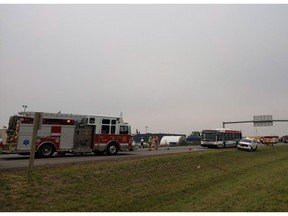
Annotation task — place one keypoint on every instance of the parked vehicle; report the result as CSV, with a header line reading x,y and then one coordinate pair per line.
x,y
67,133
269,140
284,139
221,138
247,144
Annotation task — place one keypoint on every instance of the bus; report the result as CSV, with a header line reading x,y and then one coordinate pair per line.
x,y
220,137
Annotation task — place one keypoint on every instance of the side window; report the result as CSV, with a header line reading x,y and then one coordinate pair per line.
x,y
113,129
236,136
124,130
105,121
220,138
92,121
105,129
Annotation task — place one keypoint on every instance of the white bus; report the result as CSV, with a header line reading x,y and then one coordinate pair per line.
x,y
221,138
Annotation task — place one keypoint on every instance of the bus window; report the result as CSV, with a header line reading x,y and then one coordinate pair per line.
x,y
220,137
225,137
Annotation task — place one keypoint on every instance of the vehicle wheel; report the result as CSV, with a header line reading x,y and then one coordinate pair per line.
x,y
255,148
112,149
46,151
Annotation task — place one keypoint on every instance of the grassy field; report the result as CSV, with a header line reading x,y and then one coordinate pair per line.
x,y
214,181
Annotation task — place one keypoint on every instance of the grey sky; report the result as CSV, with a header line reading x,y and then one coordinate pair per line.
x,y
173,68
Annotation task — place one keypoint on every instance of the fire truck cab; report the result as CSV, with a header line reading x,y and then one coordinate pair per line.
x,y
99,134
68,133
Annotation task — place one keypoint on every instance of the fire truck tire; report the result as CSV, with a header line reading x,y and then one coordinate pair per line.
x,y
46,150
112,149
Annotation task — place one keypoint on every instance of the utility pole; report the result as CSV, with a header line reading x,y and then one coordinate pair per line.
x,y
36,127
146,128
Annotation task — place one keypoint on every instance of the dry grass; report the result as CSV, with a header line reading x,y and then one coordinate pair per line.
x,y
228,180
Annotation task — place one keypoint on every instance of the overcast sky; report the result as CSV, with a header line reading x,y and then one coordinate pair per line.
x,y
173,68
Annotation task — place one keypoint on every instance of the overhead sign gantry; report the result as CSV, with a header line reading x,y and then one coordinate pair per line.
x,y
258,121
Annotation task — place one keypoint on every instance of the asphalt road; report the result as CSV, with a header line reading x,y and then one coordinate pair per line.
x,y
15,161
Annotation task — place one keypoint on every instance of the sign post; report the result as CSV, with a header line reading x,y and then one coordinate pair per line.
x,y
36,126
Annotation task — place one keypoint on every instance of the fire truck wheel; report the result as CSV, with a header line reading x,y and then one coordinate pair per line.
x,y
112,149
46,150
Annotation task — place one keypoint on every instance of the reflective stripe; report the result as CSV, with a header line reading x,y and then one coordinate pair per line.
x,y
55,134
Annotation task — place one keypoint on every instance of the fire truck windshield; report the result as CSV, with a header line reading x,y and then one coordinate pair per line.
x,y
124,129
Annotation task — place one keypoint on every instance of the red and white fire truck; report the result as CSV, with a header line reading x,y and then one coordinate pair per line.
x,y
67,133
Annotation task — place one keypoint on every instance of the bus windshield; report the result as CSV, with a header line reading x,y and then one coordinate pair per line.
x,y
209,136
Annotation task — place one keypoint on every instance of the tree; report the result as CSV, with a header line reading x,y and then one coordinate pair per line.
x,y
195,134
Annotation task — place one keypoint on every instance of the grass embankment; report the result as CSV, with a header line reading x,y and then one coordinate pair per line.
x,y
228,180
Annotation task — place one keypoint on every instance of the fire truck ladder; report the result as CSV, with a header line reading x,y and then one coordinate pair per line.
x,y
55,115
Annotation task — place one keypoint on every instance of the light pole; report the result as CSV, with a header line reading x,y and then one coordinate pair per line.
x,y
24,106
146,128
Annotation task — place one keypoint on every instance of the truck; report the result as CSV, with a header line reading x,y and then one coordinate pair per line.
x,y
67,133
269,140
284,139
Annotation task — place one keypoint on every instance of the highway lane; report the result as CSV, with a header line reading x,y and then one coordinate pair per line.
x,y
15,161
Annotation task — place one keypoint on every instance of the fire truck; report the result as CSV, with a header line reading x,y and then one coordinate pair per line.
x,y
67,133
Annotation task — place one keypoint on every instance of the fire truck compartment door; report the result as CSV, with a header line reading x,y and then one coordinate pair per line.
x,y
25,138
67,134
83,137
